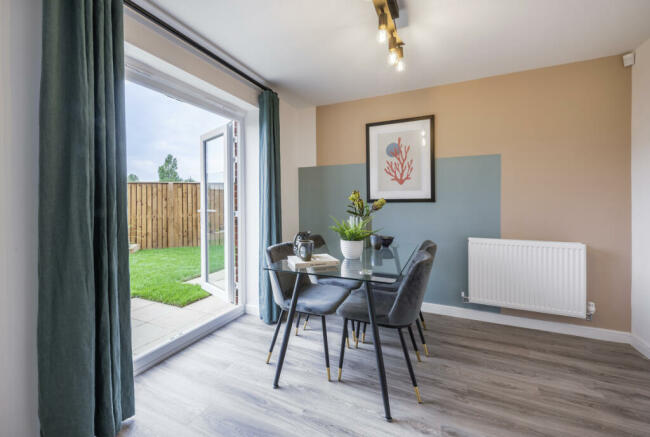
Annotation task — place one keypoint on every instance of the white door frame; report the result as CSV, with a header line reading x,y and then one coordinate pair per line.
x,y
154,78
226,132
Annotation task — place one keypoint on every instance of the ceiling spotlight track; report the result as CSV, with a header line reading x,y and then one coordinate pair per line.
x,y
387,11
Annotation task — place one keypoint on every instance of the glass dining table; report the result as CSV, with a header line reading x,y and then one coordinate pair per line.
x,y
383,266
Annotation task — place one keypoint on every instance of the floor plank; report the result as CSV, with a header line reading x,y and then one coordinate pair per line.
x,y
481,380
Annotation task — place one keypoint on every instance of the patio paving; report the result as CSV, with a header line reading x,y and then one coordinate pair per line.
x,y
154,324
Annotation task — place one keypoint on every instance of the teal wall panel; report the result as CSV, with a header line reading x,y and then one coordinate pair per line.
x,y
468,204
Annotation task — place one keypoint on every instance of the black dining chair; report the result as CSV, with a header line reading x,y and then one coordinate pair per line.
x,y
392,310
432,248
350,284
313,299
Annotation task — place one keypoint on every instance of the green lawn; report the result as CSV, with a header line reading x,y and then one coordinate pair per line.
x,y
158,274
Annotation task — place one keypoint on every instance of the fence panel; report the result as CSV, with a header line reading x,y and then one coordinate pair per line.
x,y
165,214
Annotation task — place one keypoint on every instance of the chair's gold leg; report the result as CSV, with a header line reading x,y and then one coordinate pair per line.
x,y
347,342
424,324
363,338
328,374
417,354
426,350
268,358
356,343
340,371
296,330
417,394
305,325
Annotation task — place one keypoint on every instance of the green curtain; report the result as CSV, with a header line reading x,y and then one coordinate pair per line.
x,y
85,367
270,199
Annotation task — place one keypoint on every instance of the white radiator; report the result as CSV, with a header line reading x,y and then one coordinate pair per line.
x,y
543,276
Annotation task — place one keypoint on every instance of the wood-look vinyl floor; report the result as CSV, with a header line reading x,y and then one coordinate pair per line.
x,y
481,380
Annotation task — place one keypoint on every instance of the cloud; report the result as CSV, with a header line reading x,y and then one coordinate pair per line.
x,y
157,125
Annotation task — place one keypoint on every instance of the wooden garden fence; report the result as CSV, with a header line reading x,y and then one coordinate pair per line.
x,y
166,214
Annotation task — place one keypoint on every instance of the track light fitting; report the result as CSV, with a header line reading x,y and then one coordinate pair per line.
x,y
382,33
387,11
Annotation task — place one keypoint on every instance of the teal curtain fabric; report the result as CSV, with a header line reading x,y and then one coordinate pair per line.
x,y
270,198
85,367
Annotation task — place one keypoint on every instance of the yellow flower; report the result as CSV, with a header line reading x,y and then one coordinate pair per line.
x,y
354,196
378,204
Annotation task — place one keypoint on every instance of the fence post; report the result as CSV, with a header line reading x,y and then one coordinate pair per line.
x,y
171,218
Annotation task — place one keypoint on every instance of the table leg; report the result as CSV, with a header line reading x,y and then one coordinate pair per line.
x,y
378,353
287,331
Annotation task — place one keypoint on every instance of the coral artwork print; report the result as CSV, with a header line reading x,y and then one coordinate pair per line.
x,y
399,167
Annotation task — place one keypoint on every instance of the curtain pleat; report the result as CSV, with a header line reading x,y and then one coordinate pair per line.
x,y
84,335
270,197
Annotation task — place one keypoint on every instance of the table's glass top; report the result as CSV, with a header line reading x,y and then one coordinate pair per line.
x,y
385,265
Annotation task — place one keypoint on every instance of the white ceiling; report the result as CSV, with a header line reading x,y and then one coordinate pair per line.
x,y
325,51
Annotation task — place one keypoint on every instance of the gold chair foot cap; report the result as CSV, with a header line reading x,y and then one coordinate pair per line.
x,y
347,342
426,350
328,374
305,325
296,331
424,325
356,343
417,394
340,371
363,338
268,358
417,354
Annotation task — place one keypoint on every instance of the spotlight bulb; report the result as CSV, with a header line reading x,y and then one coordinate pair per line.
x,y
382,36
392,58
400,65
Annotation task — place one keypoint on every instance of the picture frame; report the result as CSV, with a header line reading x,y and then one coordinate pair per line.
x,y
400,156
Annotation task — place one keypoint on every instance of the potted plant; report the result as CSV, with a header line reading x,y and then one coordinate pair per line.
x,y
360,210
352,236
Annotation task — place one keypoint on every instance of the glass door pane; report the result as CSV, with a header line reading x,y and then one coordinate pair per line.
x,y
216,212
214,179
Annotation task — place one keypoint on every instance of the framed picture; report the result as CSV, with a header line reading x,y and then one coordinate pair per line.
x,y
399,160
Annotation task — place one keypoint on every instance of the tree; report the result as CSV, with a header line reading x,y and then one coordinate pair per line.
x,y
132,178
168,172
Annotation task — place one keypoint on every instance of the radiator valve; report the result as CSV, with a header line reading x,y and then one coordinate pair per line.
x,y
591,310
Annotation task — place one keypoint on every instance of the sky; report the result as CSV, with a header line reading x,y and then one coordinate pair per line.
x,y
157,125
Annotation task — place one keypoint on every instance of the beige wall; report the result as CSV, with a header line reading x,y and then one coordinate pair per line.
x,y
297,149
564,137
641,198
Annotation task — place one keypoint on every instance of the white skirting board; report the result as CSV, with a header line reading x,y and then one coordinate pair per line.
x,y
641,345
253,309
523,322
540,325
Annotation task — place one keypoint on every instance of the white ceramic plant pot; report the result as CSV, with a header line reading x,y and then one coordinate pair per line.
x,y
352,249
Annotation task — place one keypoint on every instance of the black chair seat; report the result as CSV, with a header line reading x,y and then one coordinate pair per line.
x,y
355,306
318,299
350,284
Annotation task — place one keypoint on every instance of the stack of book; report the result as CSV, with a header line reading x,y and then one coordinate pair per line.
x,y
319,261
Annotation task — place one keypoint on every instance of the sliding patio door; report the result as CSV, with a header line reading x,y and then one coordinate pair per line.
x,y
218,168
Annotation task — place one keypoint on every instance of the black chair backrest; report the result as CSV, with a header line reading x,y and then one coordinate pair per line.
x,y
429,246
318,240
410,294
281,282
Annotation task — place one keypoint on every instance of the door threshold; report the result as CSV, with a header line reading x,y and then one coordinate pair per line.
x,y
155,356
